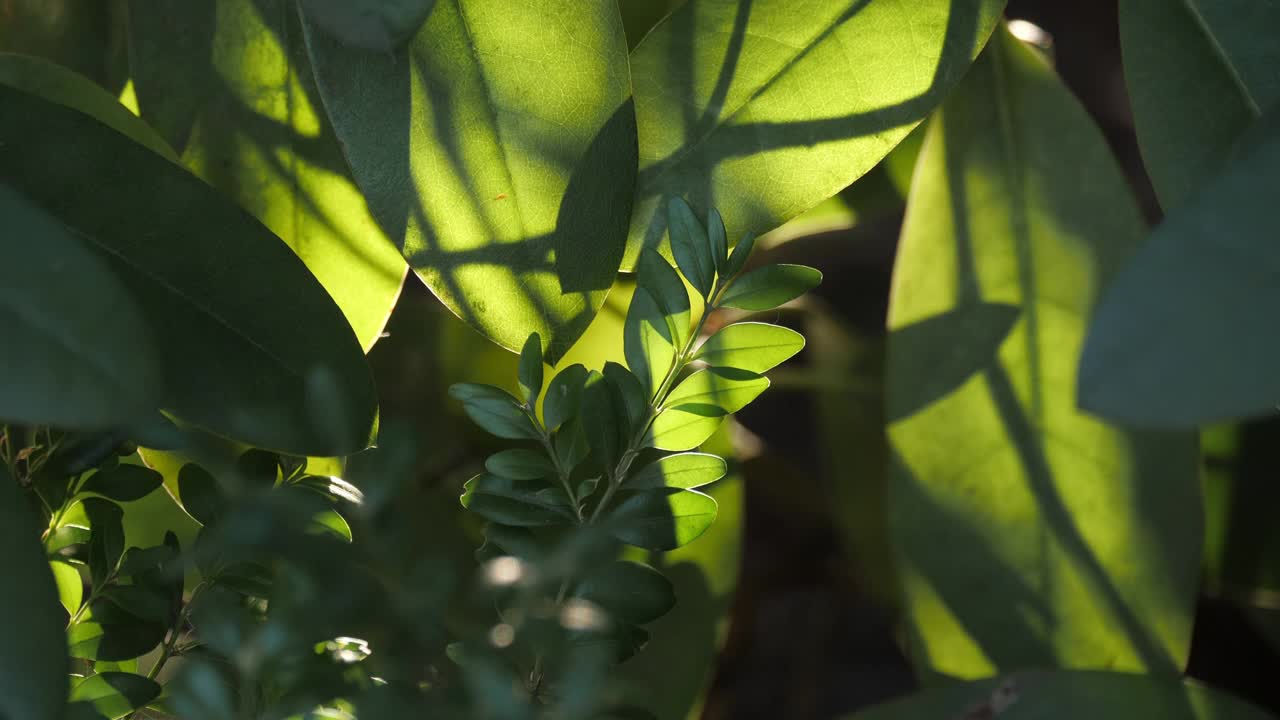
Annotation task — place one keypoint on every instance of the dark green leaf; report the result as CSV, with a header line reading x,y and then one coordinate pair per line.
x,y
719,239
629,592
571,445
564,392
1017,201
738,258
1178,339
82,711
115,694
495,410
617,643
510,202
662,519
770,286
754,109
516,503
649,342
635,400
229,83
124,482
690,247
530,371
92,640
33,658
141,601
752,346
69,362
202,693
517,541
604,420
1062,695
685,470
106,538
83,37
137,560
378,25
200,495
1198,73
258,469
520,464
242,363
668,291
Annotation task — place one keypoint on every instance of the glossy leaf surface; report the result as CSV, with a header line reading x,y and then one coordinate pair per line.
x,y
809,95
1079,540
757,347
497,149
661,519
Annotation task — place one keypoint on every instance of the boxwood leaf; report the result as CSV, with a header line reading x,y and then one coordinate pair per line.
x,y
115,694
1178,340
33,659
124,482
516,503
498,150
669,293
564,392
530,369
754,109
495,410
635,400
753,346
520,464
106,537
684,428
738,258
605,420
660,519
237,361
768,287
1198,74
629,591
648,341
202,498
1017,201
92,640
684,470
728,389
690,246
70,585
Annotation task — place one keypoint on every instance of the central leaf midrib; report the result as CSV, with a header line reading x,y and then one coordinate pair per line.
x,y
1203,25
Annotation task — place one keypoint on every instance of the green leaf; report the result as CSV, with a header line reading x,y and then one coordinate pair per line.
x,y
33,659
629,592
141,601
649,342
604,420
516,503
635,401
124,482
201,496
520,464
757,347
258,469
495,410
726,389
84,37
685,470
530,370
91,640
137,560
498,151
564,393
106,538
229,83
1016,201
690,246
1178,339
738,258
718,236
668,291
1062,695
684,428
770,286
237,361
661,519
70,585
69,362
379,25
765,110
1198,73
570,444
115,694
516,541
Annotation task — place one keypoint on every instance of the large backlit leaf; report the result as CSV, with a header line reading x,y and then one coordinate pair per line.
x,y
1199,72
83,36
498,151
33,657
229,83
1184,335
764,109
1065,695
1028,532
252,347
71,360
